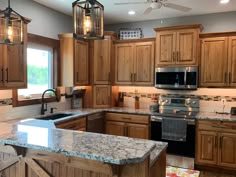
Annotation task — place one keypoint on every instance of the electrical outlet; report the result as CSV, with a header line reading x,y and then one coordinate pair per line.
x,y
223,101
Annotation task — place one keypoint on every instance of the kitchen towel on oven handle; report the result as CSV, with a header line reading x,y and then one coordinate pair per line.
x,y
174,129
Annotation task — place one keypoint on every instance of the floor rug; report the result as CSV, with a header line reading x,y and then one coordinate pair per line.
x,y
181,172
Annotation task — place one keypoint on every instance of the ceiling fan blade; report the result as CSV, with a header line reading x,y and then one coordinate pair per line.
x,y
147,11
125,3
177,7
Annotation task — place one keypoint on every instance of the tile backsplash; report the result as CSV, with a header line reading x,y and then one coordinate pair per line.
x,y
210,99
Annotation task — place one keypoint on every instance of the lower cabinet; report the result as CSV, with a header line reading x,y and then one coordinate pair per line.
x,y
216,144
129,125
73,124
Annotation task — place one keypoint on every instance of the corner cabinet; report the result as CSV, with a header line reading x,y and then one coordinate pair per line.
x,y
216,142
177,45
13,65
218,54
134,62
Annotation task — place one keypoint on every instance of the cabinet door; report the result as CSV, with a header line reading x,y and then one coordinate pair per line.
x,y
144,63
186,47
101,96
74,124
124,56
232,61
165,48
15,67
102,57
2,56
207,147
214,62
227,150
81,63
115,128
138,131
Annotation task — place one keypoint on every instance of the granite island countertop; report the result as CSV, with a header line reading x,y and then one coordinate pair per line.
x,y
106,148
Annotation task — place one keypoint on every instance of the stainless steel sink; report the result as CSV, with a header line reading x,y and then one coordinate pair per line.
x,y
54,116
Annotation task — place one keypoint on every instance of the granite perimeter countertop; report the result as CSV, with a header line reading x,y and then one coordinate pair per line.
x,y
106,148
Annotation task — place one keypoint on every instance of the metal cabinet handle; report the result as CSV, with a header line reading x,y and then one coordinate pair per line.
x,y
225,77
178,55
221,142
135,77
230,77
126,118
2,74
174,56
77,76
131,77
216,142
109,76
7,75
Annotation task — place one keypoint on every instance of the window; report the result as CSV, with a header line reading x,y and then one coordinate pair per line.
x,y
39,71
42,70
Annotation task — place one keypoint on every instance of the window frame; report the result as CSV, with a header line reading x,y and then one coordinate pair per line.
x,y
55,45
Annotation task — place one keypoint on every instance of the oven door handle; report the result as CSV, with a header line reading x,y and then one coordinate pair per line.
x,y
159,119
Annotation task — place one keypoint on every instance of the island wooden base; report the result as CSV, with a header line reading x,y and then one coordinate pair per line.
x,y
21,162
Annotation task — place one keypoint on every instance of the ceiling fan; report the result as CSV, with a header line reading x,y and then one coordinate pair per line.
x,y
157,4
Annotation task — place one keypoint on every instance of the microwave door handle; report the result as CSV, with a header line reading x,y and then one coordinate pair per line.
x,y
185,78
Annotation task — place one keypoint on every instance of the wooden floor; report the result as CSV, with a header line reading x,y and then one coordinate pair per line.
x,y
185,162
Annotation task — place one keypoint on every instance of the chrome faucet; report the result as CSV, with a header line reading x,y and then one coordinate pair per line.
x,y
43,110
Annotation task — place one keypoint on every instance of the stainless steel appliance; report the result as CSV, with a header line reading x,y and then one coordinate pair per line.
x,y
177,108
176,77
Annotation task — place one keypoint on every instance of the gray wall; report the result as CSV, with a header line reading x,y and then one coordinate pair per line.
x,y
45,21
212,23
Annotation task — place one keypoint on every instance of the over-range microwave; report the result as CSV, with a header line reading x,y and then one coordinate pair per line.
x,y
180,77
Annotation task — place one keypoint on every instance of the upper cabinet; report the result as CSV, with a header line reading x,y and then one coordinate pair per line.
x,y
134,62
81,62
218,61
177,45
13,65
74,56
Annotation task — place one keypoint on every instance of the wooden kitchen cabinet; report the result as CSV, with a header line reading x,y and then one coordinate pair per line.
x,y
177,45
227,150
102,61
13,65
207,147
130,125
74,57
216,142
134,63
81,62
101,96
218,60
73,124
214,65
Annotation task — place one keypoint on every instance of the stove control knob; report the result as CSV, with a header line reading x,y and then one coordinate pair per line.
x,y
187,102
166,101
194,102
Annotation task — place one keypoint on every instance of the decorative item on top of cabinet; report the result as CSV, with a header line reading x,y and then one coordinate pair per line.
x,y
74,56
216,142
218,60
13,64
131,125
177,45
134,61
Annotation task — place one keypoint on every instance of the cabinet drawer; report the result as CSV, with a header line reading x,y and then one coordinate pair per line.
x,y
128,118
217,126
74,124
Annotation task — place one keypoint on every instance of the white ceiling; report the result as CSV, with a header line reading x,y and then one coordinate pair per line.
x,y
119,13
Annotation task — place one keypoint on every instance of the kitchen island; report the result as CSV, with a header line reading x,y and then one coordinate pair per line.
x,y
31,150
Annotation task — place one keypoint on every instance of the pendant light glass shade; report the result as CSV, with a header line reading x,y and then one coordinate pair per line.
x,y
88,19
11,27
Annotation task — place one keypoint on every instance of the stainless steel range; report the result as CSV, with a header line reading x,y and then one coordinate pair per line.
x,y
175,124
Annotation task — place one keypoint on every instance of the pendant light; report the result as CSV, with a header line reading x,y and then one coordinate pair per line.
x,y
88,19
11,27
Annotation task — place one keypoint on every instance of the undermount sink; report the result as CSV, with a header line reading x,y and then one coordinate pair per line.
x,y
54,116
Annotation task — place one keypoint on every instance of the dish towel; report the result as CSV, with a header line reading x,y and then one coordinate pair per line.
x,y
174,129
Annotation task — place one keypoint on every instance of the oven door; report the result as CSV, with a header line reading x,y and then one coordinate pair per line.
x,y
186,148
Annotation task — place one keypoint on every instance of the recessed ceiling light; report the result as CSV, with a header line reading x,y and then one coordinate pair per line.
x,y
131,12
224,1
